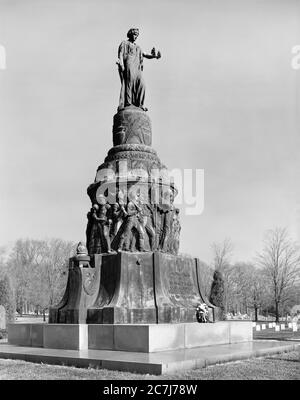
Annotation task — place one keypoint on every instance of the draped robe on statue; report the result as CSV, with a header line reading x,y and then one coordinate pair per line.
x,y
132,82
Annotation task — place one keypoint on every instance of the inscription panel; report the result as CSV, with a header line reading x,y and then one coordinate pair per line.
x,y
180,284
179,281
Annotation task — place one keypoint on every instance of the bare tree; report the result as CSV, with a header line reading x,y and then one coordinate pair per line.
x,y
38,271
24,256
248,287
239,287
280,260
54,267
258,291
206,276
222,253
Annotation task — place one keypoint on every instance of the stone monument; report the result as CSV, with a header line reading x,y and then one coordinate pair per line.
x,y
130,271
128,287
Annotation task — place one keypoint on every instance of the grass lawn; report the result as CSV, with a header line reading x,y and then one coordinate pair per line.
x,y
280,366
270,333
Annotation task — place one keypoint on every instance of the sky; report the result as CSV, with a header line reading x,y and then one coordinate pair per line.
x,y
223,98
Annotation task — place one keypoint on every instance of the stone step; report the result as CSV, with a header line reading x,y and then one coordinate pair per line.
x,y
153,363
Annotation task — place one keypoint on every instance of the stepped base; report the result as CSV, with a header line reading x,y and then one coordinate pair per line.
x,y
145,338
156,363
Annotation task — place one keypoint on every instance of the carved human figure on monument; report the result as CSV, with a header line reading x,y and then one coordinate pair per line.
x,y
130,64
167,224
118,213
93,238
159,219
176,228
146,219
89,226
104,223
132,225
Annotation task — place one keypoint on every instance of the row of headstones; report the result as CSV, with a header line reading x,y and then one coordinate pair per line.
x,y
278,327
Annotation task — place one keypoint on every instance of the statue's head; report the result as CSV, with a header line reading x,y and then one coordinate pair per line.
x,y
133,33
133,195
95,207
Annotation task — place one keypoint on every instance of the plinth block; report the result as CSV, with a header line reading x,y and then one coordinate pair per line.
x,y
217,334
101,336
25,334
150,338
143,338
66,336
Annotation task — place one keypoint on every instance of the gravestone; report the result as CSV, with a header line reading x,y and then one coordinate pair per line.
x,y
282,327
271,325
277,328
2,318
290,325
257,328
263,326
295,328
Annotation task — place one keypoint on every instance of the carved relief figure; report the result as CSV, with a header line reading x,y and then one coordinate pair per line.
x,y
176,228
104,224
132,225
93,236
146,218
130,64
167,224
118,213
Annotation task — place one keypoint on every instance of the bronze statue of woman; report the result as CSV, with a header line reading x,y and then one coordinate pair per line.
x,y
130,63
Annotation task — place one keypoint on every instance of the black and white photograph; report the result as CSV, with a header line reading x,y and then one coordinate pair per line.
x,y
150,193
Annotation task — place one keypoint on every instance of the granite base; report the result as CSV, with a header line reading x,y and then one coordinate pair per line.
x,y
145,338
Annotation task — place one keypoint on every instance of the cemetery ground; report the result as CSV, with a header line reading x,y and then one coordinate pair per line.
x,y
270,334
282,366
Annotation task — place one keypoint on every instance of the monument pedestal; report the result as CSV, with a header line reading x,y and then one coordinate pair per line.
x,y
132,288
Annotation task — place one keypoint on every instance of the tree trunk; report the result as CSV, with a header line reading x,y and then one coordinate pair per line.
x,y
256,314
44,315
277,311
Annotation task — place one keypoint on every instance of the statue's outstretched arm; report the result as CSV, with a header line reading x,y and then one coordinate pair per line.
x,y
153,54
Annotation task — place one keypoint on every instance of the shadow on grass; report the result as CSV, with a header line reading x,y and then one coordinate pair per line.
x,y
281,359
